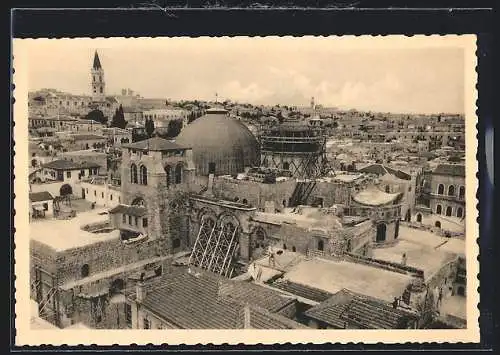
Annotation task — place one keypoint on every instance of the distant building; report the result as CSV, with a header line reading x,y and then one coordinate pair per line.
x,y
67,171
162,117
50,102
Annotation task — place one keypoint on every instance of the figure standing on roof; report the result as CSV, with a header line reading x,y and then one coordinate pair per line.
x,y
271,257
404,259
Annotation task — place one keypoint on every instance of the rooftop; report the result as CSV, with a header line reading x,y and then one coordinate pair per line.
x,y
210,301
366,312
137,211
154,144
333,276
62,164
40,196
423,250
379,169
304,216
62,235
455,306
372,196
450,169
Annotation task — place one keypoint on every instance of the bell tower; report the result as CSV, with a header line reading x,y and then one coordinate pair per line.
x,y
98,83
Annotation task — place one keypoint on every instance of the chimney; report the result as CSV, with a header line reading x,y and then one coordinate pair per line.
x,y
140,291
246,317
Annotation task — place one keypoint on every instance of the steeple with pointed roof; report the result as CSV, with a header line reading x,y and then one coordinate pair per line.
x,y
97,62
97,83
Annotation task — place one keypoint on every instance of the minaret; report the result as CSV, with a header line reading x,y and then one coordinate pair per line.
x,y
98,83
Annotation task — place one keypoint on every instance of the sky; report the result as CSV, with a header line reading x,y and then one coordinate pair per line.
x,y
388,74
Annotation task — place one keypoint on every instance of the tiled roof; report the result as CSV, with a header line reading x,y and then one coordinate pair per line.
x,y
263,319
40,196
379,169
137,211
154,144
62,164
304,291
366,312
207,301
450,169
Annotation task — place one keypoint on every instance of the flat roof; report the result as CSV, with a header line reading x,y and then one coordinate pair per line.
x,y
424,250
333,276
309,217
454,306
63,234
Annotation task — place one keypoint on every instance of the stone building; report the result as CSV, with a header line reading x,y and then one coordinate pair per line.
x,y
384,209
155,174
442,198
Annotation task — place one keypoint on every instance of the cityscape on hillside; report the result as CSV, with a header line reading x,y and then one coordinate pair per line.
x,y
153,213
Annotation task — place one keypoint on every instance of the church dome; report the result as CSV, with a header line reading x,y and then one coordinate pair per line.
x,y
220,144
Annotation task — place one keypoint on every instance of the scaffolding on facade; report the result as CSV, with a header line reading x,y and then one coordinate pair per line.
x,y
215,246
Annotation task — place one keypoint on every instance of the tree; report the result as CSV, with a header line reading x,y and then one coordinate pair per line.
x,y
96,115
119,119
150,127
174,128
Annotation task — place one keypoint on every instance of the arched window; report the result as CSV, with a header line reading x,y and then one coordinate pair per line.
x,y
286,166
167,175
178,174
461,192
381,230
438,224
448,211
321,245
144,175
139,201
460,212
440,189
387,188
85,270
245,201
419,217
439,209
294,249
133,174
451,190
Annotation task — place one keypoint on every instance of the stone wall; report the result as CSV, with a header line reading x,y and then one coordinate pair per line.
x,y
255,193
104,256
332,193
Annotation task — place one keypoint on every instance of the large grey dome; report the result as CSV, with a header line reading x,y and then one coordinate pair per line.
x,y
220,144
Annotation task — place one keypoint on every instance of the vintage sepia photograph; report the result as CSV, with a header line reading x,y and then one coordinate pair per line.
x,y
321,185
